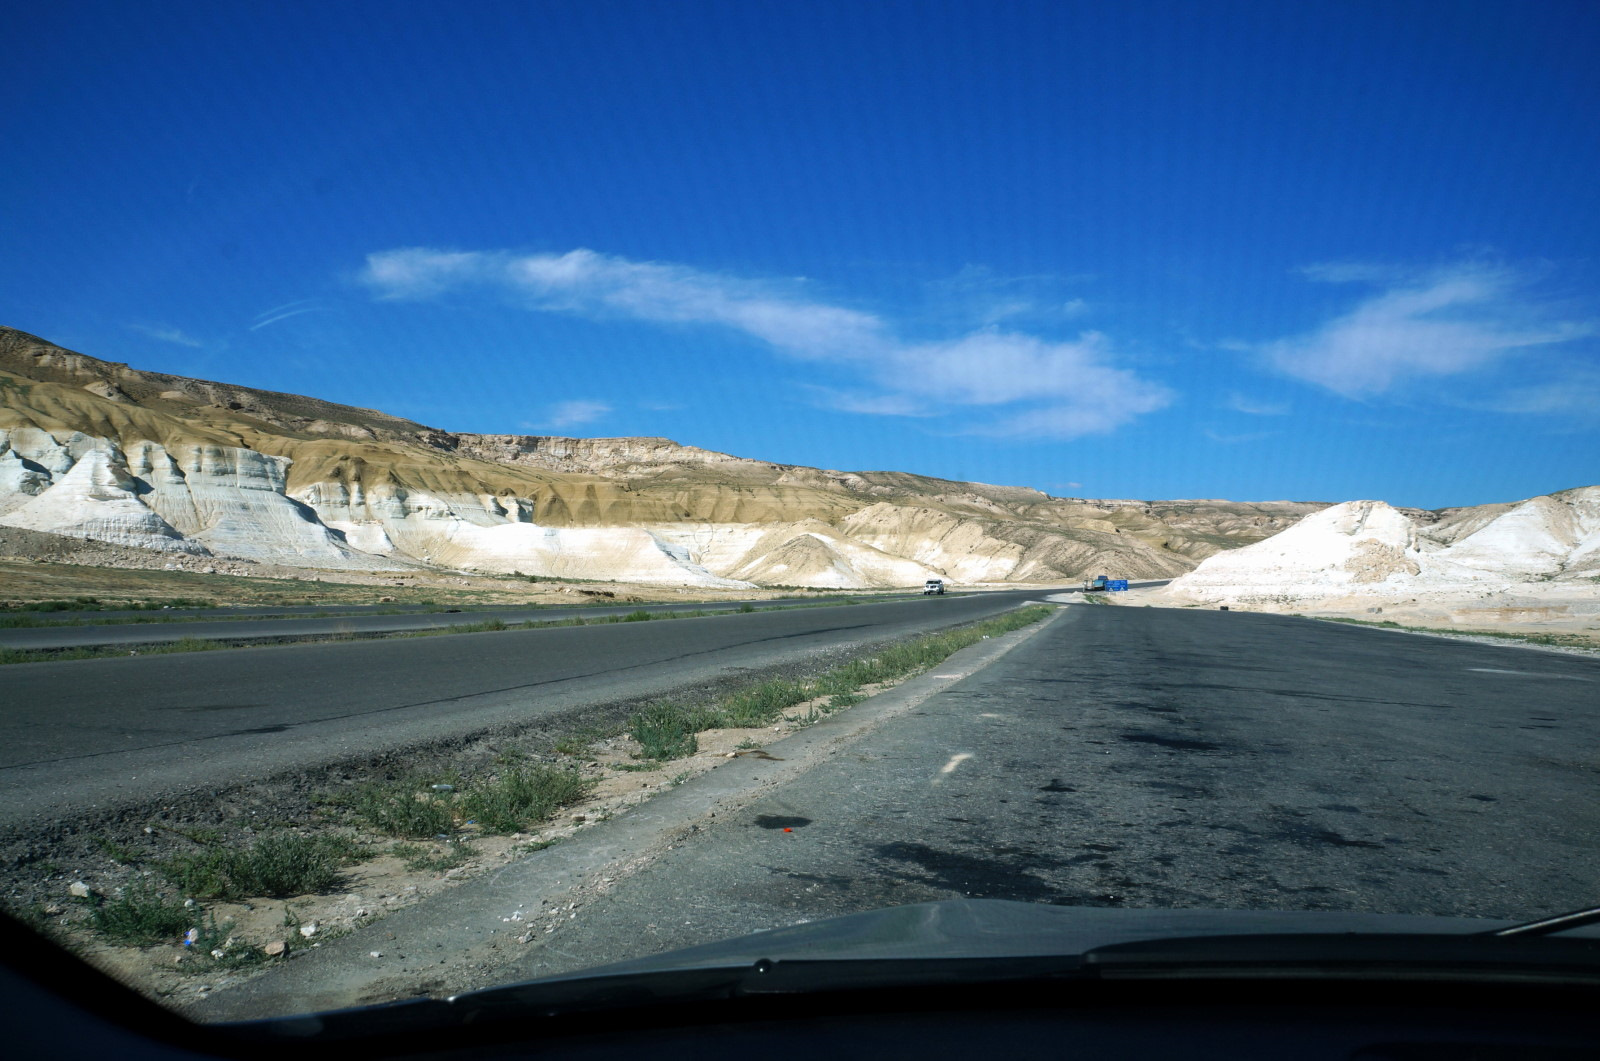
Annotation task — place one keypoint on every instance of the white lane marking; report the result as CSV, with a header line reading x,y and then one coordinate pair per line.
x,y
949,768
990,714
1528,674
955,760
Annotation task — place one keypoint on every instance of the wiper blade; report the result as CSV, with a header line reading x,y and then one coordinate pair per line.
x,y
1546,926
1478,956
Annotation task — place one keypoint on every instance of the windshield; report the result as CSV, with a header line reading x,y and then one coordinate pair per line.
x,y
490,491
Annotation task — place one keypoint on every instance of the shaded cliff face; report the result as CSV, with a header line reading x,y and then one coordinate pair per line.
x,y
192,465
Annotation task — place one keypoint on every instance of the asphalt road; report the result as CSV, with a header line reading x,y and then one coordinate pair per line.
x,y
261,625
74,735
1162,758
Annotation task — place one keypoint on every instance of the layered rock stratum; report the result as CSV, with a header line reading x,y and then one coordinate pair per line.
x,y
97,450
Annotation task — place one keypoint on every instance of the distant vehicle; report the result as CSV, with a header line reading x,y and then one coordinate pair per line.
x,y
1096,583
934,587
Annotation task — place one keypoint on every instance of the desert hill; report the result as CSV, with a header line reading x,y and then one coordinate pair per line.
x,y
99,450
1520,563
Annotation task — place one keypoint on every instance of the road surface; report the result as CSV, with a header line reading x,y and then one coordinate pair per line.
x,y
1115,757
1166,758
79,734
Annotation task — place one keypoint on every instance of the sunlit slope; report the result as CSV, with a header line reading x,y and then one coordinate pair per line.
x,y
1528,561
96,449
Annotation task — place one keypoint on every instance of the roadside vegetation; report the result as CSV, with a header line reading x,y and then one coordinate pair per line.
x,y
667,730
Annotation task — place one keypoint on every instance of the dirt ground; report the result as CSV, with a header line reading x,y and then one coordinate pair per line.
x,y
254,934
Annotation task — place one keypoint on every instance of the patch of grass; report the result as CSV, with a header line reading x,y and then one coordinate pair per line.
x,y
200,834
760,704
486,626
215,948
635,768
578,743
139,917
678,779
278,866
640,616
436,858
667,731
115,851
404,809
747,607
523,796
533,846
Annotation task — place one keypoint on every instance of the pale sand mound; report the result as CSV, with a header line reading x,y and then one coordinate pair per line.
x,y
1534,563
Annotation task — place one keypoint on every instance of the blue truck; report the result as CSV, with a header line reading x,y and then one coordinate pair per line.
x,y
1100,583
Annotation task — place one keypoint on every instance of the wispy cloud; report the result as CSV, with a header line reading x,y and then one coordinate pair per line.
x,y
1443,322
983,297
1576,395
166,334
574,413
287,310
1240,403
1018,384
1235,439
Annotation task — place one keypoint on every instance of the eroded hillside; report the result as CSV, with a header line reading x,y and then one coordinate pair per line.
x,y
95,449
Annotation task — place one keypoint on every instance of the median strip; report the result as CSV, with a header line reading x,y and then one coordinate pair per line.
x,y
195,644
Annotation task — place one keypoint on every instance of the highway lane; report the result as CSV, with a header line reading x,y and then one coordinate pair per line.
x,y
114,731
303,625
1158,758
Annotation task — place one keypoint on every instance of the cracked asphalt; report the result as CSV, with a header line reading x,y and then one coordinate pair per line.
x,y
1163,758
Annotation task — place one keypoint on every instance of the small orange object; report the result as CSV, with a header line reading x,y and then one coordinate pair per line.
x,y
788,830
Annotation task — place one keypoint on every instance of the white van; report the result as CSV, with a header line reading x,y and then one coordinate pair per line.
x,y
933,587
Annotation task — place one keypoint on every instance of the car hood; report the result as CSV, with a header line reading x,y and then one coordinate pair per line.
x,y
997,928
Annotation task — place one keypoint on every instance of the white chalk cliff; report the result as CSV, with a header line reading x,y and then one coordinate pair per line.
x,y
97,450
1547,546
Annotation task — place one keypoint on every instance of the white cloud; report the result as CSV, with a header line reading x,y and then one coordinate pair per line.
x,y
573,413
867,403
287,310
166,334
1445,322
1029,386
1240,403
1578,395
1234,439
979,295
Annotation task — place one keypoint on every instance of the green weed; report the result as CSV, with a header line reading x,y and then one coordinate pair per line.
x,y
667,731
433,859
523,796
277,865
139,917
403,809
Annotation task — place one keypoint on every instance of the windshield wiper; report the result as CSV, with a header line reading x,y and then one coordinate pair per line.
x,y
1546,926
1346,956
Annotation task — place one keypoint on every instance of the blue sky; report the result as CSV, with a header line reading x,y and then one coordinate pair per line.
x,y
1244,250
